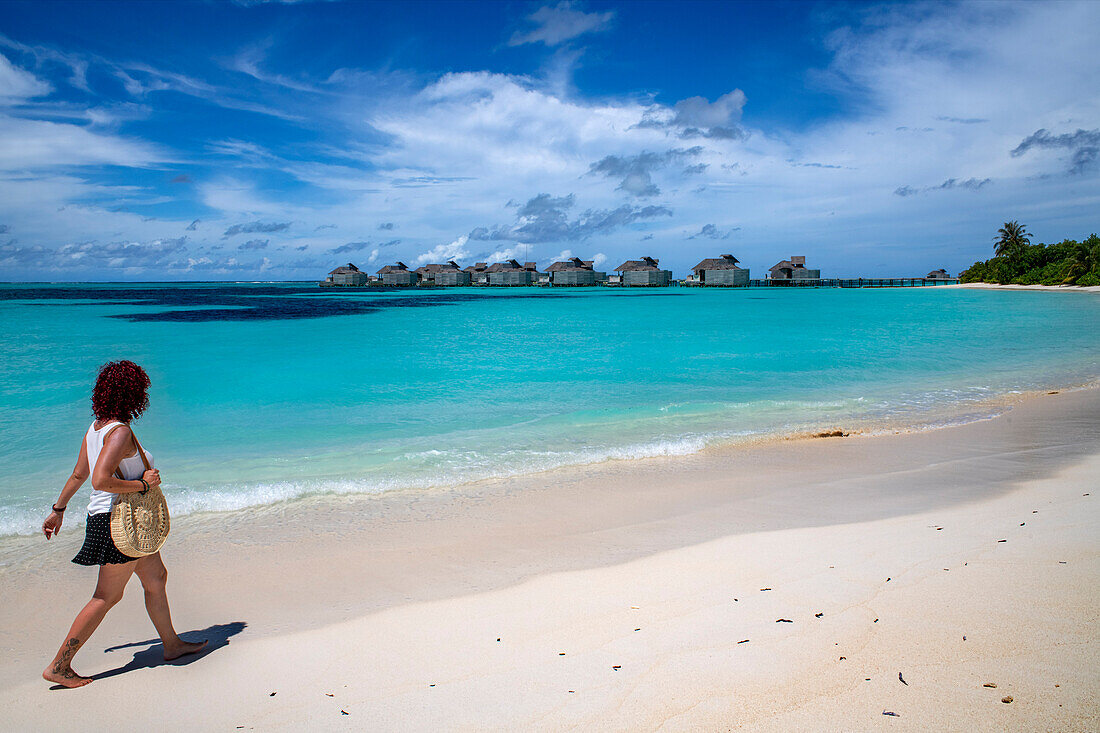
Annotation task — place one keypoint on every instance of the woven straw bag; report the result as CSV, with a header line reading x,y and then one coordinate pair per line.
x,y
140,521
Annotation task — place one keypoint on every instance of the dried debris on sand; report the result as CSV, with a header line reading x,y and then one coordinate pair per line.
x,y
831,434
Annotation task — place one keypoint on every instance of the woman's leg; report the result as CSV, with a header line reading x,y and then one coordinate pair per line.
x,y
108,592
153,575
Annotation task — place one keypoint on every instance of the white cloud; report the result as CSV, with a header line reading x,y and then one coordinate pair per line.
x,y
561,23
507,253
16,84
598,259
93,255
236,197
34,144
507,130
456,250
565,254
248,61
697,112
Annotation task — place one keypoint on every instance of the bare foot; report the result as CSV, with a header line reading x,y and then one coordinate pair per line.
x,y
65,677
184,648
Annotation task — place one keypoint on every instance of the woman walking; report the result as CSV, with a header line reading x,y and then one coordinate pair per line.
x,y
108,451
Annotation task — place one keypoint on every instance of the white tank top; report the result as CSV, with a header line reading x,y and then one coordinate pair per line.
x,y
131,468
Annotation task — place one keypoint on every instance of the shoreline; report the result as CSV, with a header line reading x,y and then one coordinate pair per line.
x,y
946,416
1032,288
391,596
14,547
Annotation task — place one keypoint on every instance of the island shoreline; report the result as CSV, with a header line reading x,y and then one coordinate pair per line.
x,y
1031,288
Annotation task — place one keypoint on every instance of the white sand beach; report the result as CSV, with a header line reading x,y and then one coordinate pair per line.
x,y
787,586
1035,288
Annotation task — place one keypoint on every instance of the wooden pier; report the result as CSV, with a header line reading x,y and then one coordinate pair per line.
x,y
861,282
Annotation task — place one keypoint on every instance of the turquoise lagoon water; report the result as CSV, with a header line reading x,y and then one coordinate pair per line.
x,y
267,392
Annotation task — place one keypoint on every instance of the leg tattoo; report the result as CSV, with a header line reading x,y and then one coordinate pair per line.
x,y
66,656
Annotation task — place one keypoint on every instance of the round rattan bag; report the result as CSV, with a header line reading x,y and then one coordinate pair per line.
x,y
140,521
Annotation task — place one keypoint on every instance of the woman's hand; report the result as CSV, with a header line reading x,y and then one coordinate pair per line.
x,y
152,477
52,525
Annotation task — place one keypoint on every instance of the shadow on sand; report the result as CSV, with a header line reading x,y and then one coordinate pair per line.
x,y
153,655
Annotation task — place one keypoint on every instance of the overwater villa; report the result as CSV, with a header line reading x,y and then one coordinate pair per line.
x,y
720,271
575,271
643,273
940,274
512,273
452,278
793,269
345,276
478,274
398,275
447,273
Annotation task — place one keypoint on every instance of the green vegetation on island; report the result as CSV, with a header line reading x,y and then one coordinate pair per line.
x,y
1019,262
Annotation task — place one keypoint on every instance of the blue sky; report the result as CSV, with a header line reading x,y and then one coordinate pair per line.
x,y
275,140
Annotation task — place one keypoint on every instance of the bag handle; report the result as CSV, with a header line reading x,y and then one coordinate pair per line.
x,y
140,451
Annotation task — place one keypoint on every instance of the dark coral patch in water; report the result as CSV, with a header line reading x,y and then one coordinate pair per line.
x,y
198,304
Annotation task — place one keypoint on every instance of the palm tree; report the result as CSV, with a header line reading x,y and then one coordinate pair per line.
x,y
1080,260
1011,238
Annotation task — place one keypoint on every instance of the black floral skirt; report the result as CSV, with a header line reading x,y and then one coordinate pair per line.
x,y
99,548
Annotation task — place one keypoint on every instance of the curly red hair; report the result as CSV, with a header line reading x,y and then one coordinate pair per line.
x,y
121,391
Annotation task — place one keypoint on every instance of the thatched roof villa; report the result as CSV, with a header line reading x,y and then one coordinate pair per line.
x,y
398,274
575,271
512,273
793,269
447,273
643,272
940,274
721,271
452,278
477,273
347,276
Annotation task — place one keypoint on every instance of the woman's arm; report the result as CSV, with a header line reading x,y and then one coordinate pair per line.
x,y
114,450
52,525
118,444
